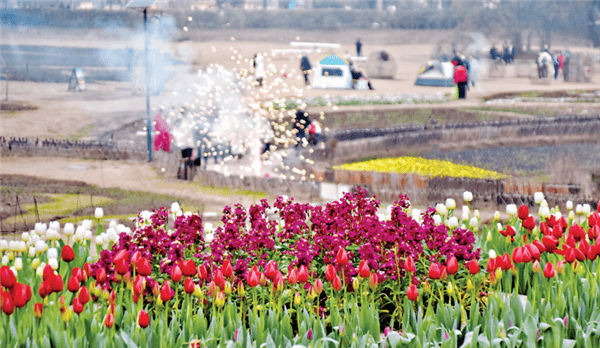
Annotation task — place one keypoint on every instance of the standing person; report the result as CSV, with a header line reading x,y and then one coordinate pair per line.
x,y
301,123
358,48
556,65
468,67
305,67
461,80
259,68
314,130
473,71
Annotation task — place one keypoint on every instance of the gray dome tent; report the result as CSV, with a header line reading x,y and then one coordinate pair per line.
x,y
381,65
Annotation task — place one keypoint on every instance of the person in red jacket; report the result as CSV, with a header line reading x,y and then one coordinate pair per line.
x,y
461,79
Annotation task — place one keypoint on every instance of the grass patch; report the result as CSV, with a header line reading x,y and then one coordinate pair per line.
x,y
81,133
8,106
224,191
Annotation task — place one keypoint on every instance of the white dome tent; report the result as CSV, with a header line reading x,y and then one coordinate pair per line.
x,y
436,74
332,71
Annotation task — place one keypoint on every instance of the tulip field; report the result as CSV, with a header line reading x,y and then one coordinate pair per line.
x,y
298,275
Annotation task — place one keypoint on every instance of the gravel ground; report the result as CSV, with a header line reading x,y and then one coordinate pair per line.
x,y
529,159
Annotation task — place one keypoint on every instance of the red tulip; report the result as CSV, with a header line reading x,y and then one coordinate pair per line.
x,y
135,258
20,294
48,272
434,271
67,254
569,254
73,285
139,285
279,283
7,303
526,255
491,266
43,291
412,293
121,267
293,277
594,232
100,275
84,295
549,270
373,280
87,270
318,286
363,269
188,268
533,251
473,266
551,221
112,297
342,257
540,246
594,219
155,289
176,274
165,291
452,267
579,255
78,273
55,284
523,212
271,270
219,279
109,320
38,309
506,264
336,283
144,319
189,286
409,265
517,255
121,256
7,277
510,231
227,269
550,242
253,279
529,223
330,273
584,246
560,267
202,272
302,274
77,305
144,267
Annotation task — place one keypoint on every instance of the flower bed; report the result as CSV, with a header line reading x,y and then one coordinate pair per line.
x,y
331,276
422,166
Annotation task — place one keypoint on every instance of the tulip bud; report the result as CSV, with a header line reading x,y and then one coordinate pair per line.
x,y
199,294
412,293
470,285
498,273
18,264
535,266
450,290
538,197
355,284
109,320
98,213
426,287
441,209
53,263
453,222
467,196
66,314
220,299
496,216
297,299
373,280
143,319
489,236
450,204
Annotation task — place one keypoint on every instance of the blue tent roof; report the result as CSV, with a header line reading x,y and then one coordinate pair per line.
x,y
332,59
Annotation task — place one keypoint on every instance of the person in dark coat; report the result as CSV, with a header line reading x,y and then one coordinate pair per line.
x,y
358,48
305,67
301,123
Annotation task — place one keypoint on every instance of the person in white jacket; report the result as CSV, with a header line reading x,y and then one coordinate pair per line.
x,y
259,69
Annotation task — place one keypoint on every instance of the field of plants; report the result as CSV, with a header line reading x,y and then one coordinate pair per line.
x,y
298,275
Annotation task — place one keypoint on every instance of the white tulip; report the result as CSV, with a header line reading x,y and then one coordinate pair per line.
x,y
571,215
579,209
3,245
14,270
12,245
18,264
476,213
453,222
99,240
52,253
497,216
463,227
538,197
120,228
175,208
40,270
492,253
558,215
569,205
441,209
55,225
31,251
208,227
112,224
40,228
127,230
146,215
416,214
5,260
34,239
52,235
474,222
586,209
53,263
467,196
35,263
511,209
208,237
499,225
87,224
99,213
437,219
450,204
544,203
465,215
544,212
69,229
111,235
25,236
88,235
40,246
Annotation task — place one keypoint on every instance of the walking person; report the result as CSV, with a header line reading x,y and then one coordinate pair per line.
x,y
556,65
259,69
305,67
358,48
461,79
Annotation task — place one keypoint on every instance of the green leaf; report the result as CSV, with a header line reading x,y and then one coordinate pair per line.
x,y
128,341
